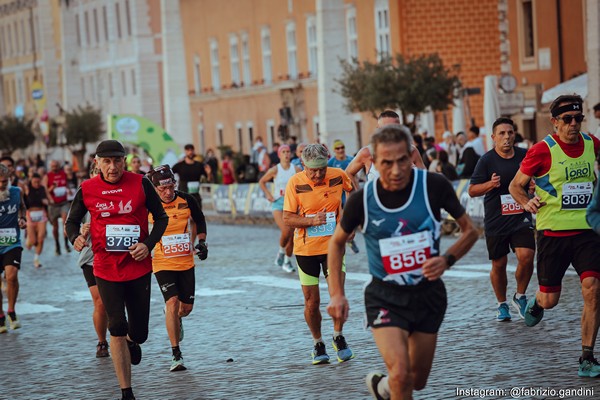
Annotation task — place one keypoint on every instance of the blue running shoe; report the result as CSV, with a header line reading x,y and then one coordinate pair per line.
x,y
503,314
341,347
353,246
319,355
530,319
520,304
588,368
279,259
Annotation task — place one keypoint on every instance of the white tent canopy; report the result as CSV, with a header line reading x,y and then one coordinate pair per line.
x,y
578,85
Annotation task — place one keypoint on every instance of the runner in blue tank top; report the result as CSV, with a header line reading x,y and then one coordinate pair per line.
x,y
406,299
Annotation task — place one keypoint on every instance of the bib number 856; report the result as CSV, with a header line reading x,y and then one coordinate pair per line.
x,y
408,260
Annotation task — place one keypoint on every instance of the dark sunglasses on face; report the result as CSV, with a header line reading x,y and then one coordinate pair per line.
x,y
340,148
567,119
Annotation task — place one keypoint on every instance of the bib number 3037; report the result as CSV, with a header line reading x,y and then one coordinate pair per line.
x,y
177,245
121,237
577,196
405,253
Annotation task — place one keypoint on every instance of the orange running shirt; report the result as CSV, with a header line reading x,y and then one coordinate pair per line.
x,y
302,197
174,252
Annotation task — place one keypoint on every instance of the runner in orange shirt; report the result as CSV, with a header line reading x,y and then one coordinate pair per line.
x,y
173,261
313,205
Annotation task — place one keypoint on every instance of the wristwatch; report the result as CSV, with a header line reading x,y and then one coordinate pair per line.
x,y
450,259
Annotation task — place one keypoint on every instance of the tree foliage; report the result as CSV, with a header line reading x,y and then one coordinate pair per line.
x,y
408,83
15,133
83,125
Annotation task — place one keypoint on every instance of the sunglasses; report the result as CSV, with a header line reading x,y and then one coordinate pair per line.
x,y
567,119
340,148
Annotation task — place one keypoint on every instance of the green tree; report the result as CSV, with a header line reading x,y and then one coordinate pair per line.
x,y
408,83
78,128
15,133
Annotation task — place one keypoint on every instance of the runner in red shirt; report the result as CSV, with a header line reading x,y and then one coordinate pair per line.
x,y
118,203
55,183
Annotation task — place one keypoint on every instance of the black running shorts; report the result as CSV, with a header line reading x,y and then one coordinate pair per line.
x,y
177,283
555,254
88,274
418,308
499,246
11,257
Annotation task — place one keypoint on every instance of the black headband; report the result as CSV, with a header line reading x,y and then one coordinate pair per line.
x,y
567,107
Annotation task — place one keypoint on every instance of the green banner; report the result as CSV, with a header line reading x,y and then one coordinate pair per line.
x,y
145,134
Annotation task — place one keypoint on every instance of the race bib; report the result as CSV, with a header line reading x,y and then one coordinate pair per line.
x,y
60,191
8,236
177,245
577,196
326,229
36,216
510,205
71,194
121,237
193,187
402,254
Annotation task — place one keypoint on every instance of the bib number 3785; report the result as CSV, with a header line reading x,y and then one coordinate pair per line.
x,y
121,237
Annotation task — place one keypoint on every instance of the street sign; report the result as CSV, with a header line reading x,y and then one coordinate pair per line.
x,y
511,103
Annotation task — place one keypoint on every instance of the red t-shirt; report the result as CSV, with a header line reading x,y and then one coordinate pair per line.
x,y
227,174
59,181
538,161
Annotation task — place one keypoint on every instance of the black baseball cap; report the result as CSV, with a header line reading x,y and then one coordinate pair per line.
x,y
110,148
161,175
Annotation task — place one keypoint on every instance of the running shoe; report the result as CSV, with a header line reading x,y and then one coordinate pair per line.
x,y
102,349
14,321
503,314
319,355
3,325
373,379
288,267
353,246
135,351
177,363
530,319
520,304
180,330
341,347
57,250
279,259
588,368
37,263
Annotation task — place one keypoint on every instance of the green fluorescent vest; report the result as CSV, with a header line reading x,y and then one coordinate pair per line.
x,y
564,211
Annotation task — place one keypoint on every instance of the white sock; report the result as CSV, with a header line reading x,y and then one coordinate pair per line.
x,y
319,340
519,295
384,388
286,259
36,257
281,250
501,302
336,334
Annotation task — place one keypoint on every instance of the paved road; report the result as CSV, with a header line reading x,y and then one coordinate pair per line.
x,y
250,311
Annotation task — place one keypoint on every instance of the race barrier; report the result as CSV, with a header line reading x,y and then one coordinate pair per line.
x,y
249,200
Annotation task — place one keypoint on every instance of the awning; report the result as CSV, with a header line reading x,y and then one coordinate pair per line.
x,y
578,85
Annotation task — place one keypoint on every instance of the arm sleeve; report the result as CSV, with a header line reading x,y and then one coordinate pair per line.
x,y
197,214
290,202
76,214
537,160
354,212
442,195
154,206
347,182
480,174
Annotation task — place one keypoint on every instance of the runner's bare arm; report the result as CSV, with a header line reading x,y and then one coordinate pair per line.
x,y
338,306
356,165
270,175
518,191
416,158
298,221
479,189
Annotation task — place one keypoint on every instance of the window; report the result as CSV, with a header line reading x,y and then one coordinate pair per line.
x,y
92,88
23,38
351,33
82,86
271,132
197,82
124,83
234,57
16,35
118,20
265,40
311,42
78,30
214,65
86,20
111,87
246,76
382,28
2,45
240,139
290,34
250,127
220,134
528,39
128,17
133,86
105,22
96,28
